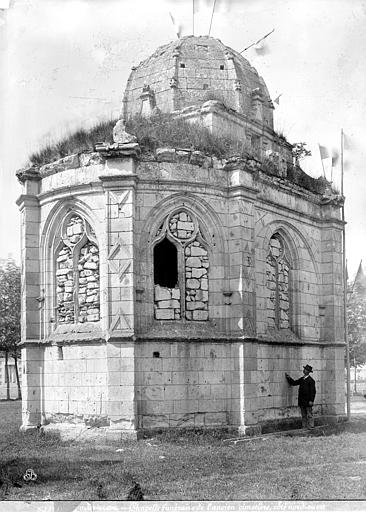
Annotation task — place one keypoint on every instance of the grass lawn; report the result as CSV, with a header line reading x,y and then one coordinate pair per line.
x,y
186,467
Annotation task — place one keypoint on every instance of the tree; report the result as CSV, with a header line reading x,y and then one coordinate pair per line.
x,y
356,324
299,152
10,318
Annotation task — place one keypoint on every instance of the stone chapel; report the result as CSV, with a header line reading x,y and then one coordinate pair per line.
x,y
175,290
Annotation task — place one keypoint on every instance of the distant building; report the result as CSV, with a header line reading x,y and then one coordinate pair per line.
x,y
356,295
174,289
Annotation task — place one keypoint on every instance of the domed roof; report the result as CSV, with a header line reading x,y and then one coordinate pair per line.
x,y
192,70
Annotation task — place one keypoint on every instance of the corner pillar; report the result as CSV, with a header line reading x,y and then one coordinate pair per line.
x,y
32,354
120,212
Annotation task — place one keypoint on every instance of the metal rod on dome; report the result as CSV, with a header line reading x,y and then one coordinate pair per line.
x,y
257,42
213,10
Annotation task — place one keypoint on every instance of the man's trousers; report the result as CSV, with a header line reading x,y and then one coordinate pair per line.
x,y
307,417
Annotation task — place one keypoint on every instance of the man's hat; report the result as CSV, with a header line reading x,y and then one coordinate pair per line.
x,y
308,368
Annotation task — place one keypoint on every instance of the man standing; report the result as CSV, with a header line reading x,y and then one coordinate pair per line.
x,y
306,395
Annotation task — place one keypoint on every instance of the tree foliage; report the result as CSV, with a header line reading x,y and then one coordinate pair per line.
x,y
10,290
299,151
9,308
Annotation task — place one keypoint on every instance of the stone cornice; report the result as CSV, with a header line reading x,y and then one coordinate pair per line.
x,y
118,150
27,200
116,180
28,173
141,338
237,339
243,191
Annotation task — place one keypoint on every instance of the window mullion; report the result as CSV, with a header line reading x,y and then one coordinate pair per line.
x,y
75,263
182,280
277,300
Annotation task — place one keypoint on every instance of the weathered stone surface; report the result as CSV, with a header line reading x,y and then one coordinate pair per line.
x,y
197,158
182,155
195,305
176,293
193,262
120,136
165,155
198,251
193,283
92,158
162,293
168,304
200,315
198,272
164,314
69,162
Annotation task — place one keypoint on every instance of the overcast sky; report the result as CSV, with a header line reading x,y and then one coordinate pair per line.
x,y
65,63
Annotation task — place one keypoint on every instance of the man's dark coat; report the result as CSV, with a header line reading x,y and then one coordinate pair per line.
x,y
306,390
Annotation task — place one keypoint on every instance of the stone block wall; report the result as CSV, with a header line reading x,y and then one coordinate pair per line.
x,y
269,398
197,265
167,303
75,381
183,384
205,384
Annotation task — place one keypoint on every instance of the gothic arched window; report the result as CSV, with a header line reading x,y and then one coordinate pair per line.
x,y
278,284
180,269
77,273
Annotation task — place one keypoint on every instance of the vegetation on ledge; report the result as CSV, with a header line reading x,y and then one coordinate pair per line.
x,y
167,130
77,142
151,132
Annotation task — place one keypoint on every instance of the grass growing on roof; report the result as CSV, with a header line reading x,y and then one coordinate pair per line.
x,y
81,140
168,130
152,132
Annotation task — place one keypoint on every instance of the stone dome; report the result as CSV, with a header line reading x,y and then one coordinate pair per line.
x,y
192,70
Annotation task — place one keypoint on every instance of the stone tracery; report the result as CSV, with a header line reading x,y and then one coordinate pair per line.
x,y
278,284
193,263
77,273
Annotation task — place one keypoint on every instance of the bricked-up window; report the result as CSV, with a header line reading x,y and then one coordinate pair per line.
x,y
180,275
278,284
77,273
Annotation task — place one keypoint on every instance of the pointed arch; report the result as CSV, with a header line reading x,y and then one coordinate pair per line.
x,y
279,283
209,220
77,298
292,235
195,229
304,280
